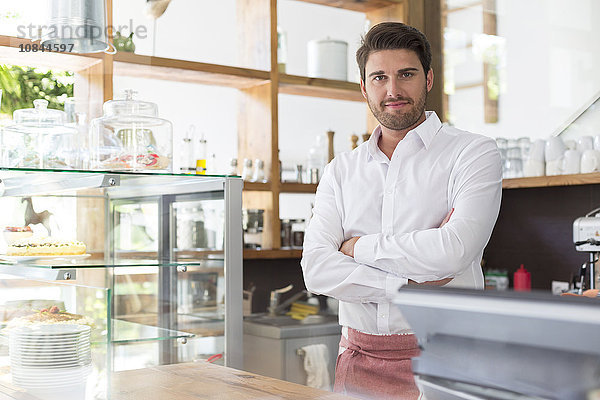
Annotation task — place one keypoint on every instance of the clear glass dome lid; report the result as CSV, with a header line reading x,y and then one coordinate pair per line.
x,y
39,115
129,106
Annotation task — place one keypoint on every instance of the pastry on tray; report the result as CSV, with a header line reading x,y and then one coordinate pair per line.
x,y
52,315
45,247
15,233
21,308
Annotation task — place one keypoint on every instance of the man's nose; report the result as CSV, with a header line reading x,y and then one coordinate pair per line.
x,y
394,89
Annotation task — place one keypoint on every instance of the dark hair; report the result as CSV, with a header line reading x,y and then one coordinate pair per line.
x,y
392,36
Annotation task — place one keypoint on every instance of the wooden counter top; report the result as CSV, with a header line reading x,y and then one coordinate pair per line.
x,y
201,380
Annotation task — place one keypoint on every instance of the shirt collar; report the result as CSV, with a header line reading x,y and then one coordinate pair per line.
x,y
429,128
426,131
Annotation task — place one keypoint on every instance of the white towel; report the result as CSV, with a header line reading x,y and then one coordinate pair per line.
x,y
316,358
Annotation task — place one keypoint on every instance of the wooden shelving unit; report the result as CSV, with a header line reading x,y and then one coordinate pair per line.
x,y
547,181
317,87
289,187
139,66
364,6
259,87
258,186
271,254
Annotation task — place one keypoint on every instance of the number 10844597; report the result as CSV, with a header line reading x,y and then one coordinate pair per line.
x,y
34,48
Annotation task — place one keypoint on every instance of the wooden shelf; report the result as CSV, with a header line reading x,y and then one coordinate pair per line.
x,y
10,54
290,187
271,254
356,5
318,87
257,186
558,180
140,66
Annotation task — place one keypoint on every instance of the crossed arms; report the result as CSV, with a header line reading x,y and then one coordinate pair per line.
x,y
347,248
371,268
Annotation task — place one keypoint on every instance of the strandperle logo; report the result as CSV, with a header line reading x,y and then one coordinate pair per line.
x,y
54,31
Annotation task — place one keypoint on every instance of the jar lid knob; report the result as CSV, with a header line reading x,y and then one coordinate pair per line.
x,y
129,94
40,105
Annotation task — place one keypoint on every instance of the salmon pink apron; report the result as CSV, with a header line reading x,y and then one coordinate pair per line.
x,y
377,366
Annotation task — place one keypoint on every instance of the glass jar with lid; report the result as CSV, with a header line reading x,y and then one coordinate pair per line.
x,y
298,227
131,137
39,139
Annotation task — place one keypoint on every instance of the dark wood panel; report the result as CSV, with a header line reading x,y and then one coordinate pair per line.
x,y
269,275
535,228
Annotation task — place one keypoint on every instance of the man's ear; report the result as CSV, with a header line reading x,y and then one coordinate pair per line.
x,y
362,89
429,79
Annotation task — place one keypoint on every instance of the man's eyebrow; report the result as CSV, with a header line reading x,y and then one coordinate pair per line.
x,y
409,69
376,73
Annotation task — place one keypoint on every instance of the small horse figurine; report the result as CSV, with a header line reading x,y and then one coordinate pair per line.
x,y
32,218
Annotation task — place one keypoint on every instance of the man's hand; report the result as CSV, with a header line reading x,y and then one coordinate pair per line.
x,y
447,218
441,282
348,246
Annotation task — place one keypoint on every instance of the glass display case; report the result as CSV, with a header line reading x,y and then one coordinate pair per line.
x,y
159,282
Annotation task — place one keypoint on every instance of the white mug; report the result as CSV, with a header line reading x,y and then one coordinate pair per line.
x,y
585,143
571,144
537,151
597,142
554,167
571,162
590,161
533,167
555,148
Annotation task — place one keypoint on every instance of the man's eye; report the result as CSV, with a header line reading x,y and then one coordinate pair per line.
x,y
407,74
379,78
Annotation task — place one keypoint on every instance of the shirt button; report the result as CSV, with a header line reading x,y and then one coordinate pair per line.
x,y
389,191
382,315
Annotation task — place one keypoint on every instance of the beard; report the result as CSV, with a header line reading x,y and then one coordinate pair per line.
x,y
398,120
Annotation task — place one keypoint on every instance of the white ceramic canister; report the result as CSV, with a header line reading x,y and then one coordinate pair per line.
x,y
328,58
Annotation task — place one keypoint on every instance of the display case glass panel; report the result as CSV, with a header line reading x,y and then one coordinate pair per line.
x,y
164,249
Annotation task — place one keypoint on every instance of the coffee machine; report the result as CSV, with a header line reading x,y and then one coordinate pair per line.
x,y
586,237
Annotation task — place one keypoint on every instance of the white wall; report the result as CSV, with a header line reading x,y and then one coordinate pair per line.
x,y
209,35
195,30
303,22
552,63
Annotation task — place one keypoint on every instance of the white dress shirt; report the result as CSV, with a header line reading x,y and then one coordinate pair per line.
x,y
396,206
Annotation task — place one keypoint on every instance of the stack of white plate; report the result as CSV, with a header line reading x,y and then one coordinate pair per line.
x,y
46,357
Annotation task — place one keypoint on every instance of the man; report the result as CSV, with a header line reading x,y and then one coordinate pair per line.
x,y
414,204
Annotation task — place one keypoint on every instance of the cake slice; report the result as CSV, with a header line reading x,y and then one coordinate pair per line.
x,y
45,247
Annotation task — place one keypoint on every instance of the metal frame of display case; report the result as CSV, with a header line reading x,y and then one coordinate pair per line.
x,y
202,189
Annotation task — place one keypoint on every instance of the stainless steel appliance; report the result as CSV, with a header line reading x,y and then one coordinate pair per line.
x,y
503,345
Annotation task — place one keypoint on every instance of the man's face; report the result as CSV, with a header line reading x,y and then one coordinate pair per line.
x,y
396,87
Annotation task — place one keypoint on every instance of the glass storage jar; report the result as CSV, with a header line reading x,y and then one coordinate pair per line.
x,y
131,137
39,139
252,225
